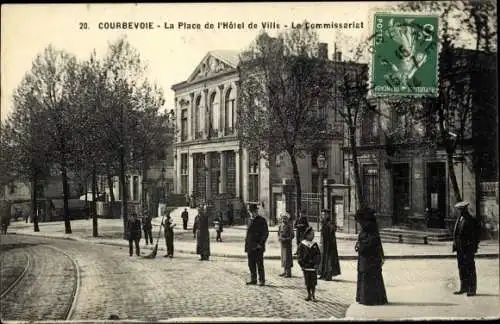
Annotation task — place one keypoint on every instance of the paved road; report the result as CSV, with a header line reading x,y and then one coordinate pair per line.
x,y
111,282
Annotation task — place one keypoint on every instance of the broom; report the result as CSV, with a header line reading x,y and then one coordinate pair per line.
x,y
152,255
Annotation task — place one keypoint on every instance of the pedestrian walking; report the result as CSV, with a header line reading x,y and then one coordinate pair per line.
x,y
203,234
185,218
285,236
330,266
230,214
134,234
309,257
370,284
219,228
168,226
301,224
255,245
466,236
147,227
196,224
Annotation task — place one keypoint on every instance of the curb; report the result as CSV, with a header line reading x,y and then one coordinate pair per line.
x,y
273,257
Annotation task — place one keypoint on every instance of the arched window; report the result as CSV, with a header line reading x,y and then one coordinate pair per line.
x,y
197,118
214,114
229,111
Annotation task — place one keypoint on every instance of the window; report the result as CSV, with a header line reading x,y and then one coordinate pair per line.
x,y
370,185
231,173
229,112
369,127
253,179
184,125
135,188
184,173
197,118
214,114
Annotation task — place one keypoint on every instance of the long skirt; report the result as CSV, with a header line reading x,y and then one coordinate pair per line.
x,y
286,256
370,288
203,243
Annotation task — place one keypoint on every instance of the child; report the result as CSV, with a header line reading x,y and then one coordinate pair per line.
x,y
218,224
309,257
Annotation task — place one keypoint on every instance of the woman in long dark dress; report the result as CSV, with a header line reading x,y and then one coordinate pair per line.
x,y
330,266
203,235
370,286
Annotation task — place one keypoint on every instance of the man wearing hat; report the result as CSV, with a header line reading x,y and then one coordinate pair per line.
x,y
255,245
465,243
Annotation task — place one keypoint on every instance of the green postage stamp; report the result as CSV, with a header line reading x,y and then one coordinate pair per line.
x,y
405,55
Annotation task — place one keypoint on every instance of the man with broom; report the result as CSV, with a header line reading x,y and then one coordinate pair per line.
x,y
169,236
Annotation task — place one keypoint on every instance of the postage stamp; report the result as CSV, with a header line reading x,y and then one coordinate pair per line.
x,y
405,55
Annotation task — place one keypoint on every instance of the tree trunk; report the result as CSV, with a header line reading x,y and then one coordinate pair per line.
x,y
95,232
34,206
87,209
125,193
357,177
453,177
298,188
64,175
110,186
144,181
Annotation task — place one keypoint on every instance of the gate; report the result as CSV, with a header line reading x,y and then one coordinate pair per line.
x,y
311,207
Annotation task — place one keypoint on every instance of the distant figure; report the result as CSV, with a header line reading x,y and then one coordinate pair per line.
x,y
134,234
301,224
230,214
243,212
5,223
168,226
185,218
255,245
219,227
370,285
309,257
330,266
147,227
466,242
203,234
286,235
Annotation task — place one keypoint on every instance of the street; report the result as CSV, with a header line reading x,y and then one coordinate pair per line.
x,y
107,281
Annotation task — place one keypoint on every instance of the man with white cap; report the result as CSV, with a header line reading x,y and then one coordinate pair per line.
x,y
465,243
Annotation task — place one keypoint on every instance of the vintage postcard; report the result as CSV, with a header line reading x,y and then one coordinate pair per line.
x,y
222,162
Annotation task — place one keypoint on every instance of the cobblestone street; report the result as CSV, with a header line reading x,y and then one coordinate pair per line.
x,y
112,282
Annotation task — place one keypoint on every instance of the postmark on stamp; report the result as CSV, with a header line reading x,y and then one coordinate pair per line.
x,y
404,59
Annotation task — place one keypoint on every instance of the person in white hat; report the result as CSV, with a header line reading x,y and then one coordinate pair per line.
x,y
465,242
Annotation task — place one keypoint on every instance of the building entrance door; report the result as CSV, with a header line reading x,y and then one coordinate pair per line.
x,y
436,194
401,193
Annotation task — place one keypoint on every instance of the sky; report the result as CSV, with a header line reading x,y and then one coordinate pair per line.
x,y
172,54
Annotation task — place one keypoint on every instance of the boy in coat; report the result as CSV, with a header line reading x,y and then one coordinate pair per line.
x,y
301,224
309,257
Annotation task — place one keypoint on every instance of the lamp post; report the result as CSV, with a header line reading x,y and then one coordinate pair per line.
x,y
322,167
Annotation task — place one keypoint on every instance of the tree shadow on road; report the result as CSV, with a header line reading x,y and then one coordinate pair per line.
x,y
419,304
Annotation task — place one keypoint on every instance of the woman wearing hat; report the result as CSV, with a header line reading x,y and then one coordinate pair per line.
x,y
285,235
370,285
330,266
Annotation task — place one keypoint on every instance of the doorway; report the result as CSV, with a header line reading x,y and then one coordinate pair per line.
x,y
436,194
401,193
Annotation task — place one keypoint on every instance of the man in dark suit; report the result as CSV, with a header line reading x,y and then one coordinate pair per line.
x,y
255,245
185,218
465,243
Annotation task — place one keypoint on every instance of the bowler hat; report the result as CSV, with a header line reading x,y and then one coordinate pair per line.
x,y
253,207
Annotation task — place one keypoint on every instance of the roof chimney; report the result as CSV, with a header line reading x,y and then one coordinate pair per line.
x,y
337,56
323,51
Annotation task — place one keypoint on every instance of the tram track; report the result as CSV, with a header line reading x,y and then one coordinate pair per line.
x,y
48,286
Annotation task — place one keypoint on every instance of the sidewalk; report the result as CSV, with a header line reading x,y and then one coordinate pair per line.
x,y
111,232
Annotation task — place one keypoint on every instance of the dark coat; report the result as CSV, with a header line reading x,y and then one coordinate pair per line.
x,y
301,224
146,223
185,215
134,229
308,255
169,228
330,265
466,234
203,235
285,236
220,220
370,285
257,233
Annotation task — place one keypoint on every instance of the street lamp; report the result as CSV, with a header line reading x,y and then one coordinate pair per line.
x,y
322,167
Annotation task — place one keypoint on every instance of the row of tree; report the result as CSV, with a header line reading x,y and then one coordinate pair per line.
x,y
99,116
288,91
